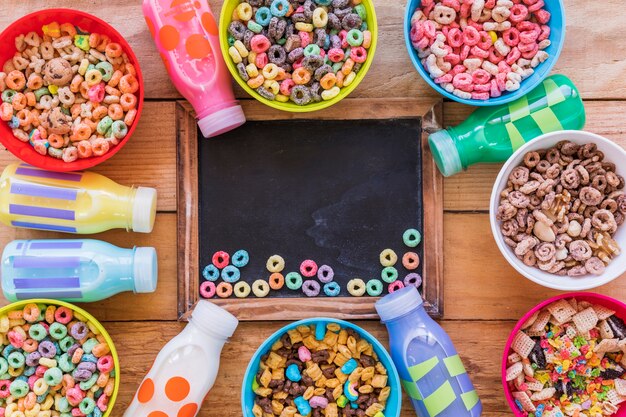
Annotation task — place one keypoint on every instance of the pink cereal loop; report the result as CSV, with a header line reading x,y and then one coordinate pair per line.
x,y
480,76
4,388
336,55
318,402
15,339
40,371
77,413
259,43
480,53
74,396
31,381
471,36
462,81
207,289
480,96
103,403
430,31
519,12
455,38
105,363
395,286
511,37
513,56
96,93
308,268
304,354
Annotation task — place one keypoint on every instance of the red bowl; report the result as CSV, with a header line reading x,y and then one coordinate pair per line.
x,y
89,23
606,301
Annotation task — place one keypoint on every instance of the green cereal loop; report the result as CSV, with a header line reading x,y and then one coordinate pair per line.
x,y
53,376
389,274
312,49
104,125
253,26
66,343
119,129
39,93
19,388
66,415
58,331
293,280
90,67
388,257
37,332
87,405
374,287
106,69
42,308
65,363
7,95
63,405
355,37
16,359
281,41
4,366
55,153
89,345
337,67
85,385
412,238
231,40
361,11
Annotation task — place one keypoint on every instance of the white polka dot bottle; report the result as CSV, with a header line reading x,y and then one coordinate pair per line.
x,y
186,368
186,34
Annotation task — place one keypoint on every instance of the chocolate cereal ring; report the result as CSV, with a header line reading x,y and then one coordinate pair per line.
x,y
410,260
275,263
388,257
356,287
277,281
293,281
242,289
374,287
412,238
332,289
311,288
325,274
207,289
260,288
389,274
224,289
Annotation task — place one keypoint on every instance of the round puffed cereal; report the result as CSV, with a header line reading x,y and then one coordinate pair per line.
x,y
240,258
242,289
356,287
220,259
412,238
389,274
293,281
260,288
224,289
374,287
410,260
395,286
388,257
311,288
277,281
275,263
332,289
308,268
414,279
207,289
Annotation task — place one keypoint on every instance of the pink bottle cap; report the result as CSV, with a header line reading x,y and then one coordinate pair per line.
x,y
222,121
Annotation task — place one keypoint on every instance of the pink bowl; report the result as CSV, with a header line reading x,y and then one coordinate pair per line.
x,y
612,303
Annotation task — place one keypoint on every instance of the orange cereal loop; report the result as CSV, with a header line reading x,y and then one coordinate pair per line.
x,y
188,410
224,289
130,117
94,40
328,81
76,82
99,112
116,112
30,345
104,41
113,50
99,146
31,312
102,380
129,84
51,309
15,314
75,110
340,78
100,350
115,79
177,388
301,76
92,125
108,390
347,66
15,80
68,29
146,391
42,130
84,149
24,117
130,69
128,101
35,82
6,111
84,90
31,99
56,141
81,132
277,281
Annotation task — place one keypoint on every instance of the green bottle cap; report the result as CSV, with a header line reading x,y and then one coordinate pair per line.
x,y
445,153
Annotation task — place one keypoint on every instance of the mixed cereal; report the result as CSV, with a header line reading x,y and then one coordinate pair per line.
x,y
561,209
299,50
69,93
478,49
568,359
54,362
321,371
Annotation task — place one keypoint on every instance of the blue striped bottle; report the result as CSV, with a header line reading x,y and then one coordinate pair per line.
x,y
80,270
430,369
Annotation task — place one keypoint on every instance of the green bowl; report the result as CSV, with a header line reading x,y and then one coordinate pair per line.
x,y
225,20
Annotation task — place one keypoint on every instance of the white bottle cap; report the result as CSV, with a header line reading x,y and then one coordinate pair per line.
x,y
144,210
222,121
214,318
145,270
398,303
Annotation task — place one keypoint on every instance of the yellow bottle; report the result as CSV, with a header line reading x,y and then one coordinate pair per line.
x,y
72,202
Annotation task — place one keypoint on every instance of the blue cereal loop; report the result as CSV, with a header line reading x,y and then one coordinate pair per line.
x,y
293,373
211,273
263,16
303,406
332,289
231,274
14,123
240,258
279,8
320,331
349,366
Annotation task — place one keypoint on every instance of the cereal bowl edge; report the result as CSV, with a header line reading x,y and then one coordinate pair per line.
x,y
612,303
225,19
33,22
613,153
394,402
557,37
116,361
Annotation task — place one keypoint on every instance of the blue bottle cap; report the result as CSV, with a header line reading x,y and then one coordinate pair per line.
x,y
398,303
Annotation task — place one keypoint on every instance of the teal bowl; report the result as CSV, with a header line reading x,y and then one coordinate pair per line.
x,y
394,403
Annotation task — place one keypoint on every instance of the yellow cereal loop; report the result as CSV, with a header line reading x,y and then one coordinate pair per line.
x,y
275,263
304,27
235,55
320,17
272,86
241,48
349,79
252,70
244,11
331,94
270,71
281,98
388,258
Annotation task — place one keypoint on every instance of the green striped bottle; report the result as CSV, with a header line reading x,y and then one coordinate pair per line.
x,y
492,134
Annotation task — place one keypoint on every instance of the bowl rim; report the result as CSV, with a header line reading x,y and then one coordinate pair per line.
x,y
225,20
394,377
92,320
10,142
530,84
493,202
598,298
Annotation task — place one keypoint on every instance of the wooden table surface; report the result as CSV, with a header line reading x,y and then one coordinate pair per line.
x,y
483,294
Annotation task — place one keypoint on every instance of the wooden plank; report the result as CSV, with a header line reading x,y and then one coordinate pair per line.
x,y
592,57
127,306
476,274
471,190
139,348
292,308
148,159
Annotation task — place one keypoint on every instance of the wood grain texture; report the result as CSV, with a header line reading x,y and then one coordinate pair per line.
x,y
471,190
592,54
483,364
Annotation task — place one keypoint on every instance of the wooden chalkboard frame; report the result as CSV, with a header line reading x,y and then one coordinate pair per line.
x,y
255,309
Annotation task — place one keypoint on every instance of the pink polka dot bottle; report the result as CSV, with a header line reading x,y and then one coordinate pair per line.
x,y
186,35
186,368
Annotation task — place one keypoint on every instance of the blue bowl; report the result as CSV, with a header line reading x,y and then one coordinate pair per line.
x,y
557,37
392,409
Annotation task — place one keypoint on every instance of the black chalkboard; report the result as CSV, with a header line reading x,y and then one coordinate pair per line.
x,y
337,192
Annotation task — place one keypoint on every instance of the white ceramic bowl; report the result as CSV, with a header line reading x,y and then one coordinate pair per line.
x,y
613,153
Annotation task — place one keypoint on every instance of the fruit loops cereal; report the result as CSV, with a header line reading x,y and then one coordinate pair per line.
x,y
477,49
54,362
561,209
303,51
68,93
568,359
331,373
